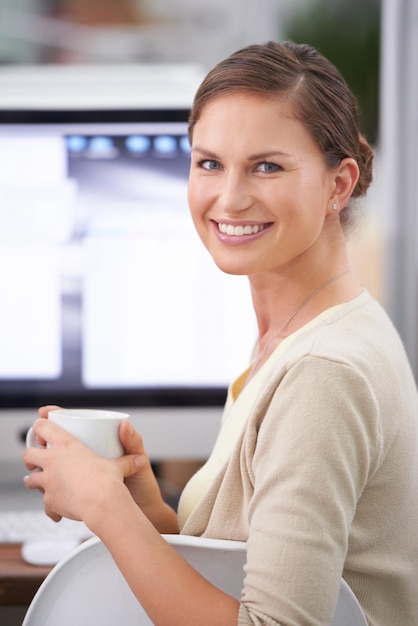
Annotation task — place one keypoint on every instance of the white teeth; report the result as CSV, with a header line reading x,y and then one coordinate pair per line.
x,y
239,231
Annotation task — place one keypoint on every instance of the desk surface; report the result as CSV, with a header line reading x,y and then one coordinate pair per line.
x,y
19,581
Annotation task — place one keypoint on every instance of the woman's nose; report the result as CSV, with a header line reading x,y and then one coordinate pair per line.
x,y
235,194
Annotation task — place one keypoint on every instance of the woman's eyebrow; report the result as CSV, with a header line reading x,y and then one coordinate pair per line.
x,y
204,152
252,157
269,154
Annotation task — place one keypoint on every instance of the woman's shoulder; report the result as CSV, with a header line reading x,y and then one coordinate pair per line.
x,y
354,350
358,332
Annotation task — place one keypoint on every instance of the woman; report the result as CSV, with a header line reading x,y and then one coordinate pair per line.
x,y
316,463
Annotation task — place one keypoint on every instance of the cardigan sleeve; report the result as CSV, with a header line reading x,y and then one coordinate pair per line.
x,y
316,447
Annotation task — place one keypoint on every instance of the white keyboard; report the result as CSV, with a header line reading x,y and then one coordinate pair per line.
x,y
20,526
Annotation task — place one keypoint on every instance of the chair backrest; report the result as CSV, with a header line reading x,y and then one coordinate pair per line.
x,y
87,588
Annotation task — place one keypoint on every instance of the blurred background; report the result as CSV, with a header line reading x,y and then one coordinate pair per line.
x,y
160,31
129,31
358,36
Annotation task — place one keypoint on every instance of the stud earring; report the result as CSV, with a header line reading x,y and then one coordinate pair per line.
x,y
334,206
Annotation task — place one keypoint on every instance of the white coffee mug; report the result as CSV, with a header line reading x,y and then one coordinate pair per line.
x,y
98,429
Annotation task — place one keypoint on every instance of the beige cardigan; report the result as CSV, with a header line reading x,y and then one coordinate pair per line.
x,y
323,479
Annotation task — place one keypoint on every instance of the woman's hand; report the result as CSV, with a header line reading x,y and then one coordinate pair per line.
x,y
72,474
143,485
73,478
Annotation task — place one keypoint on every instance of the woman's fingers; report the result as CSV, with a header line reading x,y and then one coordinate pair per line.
x,y
44,410
130,464
130,439
136,458
34,481
34,458
47,431
46,434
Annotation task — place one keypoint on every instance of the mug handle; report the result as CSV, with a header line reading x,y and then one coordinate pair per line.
x,y
31,439
32,443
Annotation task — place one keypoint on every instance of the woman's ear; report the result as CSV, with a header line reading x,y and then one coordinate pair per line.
x,y
345,179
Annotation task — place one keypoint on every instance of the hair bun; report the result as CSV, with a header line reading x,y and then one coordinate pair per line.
x,y
365,163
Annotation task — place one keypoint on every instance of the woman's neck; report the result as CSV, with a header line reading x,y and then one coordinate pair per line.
x,y
282,310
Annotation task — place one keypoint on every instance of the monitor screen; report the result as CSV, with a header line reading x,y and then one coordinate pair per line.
x,y
108,295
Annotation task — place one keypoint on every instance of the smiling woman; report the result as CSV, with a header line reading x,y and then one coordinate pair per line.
x,y
273,182
316,462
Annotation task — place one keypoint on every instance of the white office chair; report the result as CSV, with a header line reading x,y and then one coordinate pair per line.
x,y
87,588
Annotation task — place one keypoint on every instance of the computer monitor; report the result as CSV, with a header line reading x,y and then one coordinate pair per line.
x,y
108,295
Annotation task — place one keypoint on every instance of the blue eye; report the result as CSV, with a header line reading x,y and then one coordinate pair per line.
x,y
209,164
268,167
